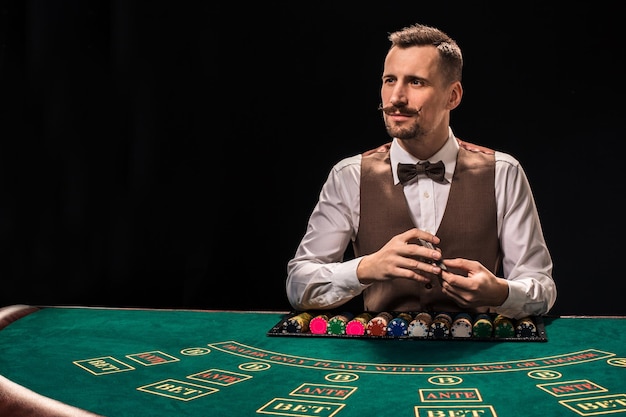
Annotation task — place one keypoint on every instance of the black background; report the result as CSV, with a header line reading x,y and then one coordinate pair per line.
x,y
144,145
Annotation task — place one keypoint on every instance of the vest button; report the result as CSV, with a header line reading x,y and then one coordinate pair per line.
x,y
428,286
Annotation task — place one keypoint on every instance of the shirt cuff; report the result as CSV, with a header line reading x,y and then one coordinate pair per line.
x,y
345,276
518,304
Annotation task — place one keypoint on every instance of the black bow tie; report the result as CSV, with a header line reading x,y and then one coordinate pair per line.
x,y
436,171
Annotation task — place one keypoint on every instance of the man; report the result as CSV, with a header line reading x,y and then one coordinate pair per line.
x,y
489,252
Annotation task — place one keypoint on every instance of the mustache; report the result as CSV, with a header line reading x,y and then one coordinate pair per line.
x,y
401,110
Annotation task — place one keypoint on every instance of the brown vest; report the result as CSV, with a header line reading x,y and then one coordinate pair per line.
x,y
468,228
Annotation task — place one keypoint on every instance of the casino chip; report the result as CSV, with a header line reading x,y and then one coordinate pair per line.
x,y
356,326
525,327
298,323
461,326
419,328
482,327
319,324
503,327
337,324
377,326
440,327
399,325
444,316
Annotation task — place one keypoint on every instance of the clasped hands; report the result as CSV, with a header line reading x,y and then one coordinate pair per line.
x,y
467,282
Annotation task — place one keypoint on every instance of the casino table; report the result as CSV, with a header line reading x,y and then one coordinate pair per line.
x,y
151,362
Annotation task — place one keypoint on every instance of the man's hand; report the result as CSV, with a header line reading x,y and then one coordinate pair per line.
x,y
402,258
480,288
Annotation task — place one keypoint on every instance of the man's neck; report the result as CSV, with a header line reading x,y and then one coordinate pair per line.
x,y
423,147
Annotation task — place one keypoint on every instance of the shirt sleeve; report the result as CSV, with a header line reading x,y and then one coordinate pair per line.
x,y
317,276
527,263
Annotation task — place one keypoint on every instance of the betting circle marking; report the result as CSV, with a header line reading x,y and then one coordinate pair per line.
x,y
544,374
341,377
445,380
621,362
255,366
195,351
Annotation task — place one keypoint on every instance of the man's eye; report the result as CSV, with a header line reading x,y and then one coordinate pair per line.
x,y
417,82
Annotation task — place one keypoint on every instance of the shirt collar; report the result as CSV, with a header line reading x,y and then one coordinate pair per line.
x,y
447,154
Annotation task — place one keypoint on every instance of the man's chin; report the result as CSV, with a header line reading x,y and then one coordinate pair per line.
x,y
402,133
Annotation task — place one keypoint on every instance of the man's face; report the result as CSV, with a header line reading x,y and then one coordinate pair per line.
x,y
415,96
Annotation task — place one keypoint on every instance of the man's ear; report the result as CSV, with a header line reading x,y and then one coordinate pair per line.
x,y
456,93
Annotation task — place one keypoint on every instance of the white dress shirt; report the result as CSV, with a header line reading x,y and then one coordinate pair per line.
x,y
318,277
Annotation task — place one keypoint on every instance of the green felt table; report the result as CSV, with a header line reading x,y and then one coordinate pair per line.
x,y
135,362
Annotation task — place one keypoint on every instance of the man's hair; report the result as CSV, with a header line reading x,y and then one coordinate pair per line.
x,y
421,35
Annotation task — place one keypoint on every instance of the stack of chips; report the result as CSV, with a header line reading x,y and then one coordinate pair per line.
x,y
525,327
298,323
377,326
420,325
440,327
356,326
337,324
425,324
482,327
399,325
503,327
319,324
461,326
